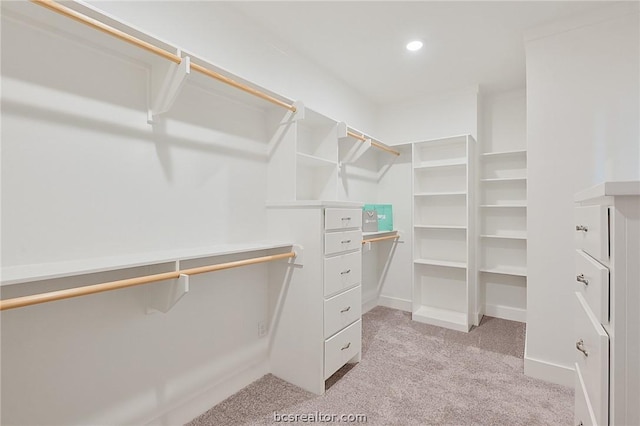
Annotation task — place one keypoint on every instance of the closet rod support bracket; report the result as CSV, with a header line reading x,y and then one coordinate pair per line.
x,y
166,82
299,259
164,296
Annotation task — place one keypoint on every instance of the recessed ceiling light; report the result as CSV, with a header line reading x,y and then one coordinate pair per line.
x,y
414,45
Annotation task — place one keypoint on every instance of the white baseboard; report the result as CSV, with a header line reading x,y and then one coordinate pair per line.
x,y
506,312
246,368
548,371
368,305
395,303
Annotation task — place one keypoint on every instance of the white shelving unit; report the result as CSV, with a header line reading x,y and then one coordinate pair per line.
x,y
444,271
503,235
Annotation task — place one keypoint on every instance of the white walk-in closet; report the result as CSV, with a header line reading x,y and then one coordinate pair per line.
x,y
224,213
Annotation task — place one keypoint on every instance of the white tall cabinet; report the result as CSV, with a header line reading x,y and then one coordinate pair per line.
x,y
444,233
607,296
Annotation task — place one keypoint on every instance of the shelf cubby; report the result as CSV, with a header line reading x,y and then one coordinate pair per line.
x,y
440,296
510,165
506,192
441,244
448,210
504,254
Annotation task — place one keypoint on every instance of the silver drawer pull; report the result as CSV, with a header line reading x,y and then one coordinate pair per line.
x,y
346,346
346,218
580,347
345,241
581,228
345,272
582,279
346,309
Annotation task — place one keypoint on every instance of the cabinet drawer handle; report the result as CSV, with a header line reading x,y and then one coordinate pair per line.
x,y
580,424
345,241
346,218
582,279
345,272
346,346
580,347
581,228
346,309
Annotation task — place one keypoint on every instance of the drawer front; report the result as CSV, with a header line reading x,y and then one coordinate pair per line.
x,y
592,358
338,242
342,272
592,281
341,310
342,219
339,349
592,231
583,414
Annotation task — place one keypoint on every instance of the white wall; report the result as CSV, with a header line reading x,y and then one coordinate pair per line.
x,y
84,175
228,38
582,128
504,121
440,115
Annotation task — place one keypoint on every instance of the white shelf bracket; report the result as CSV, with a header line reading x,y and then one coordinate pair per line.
x,y
300,110
163,296
299,251
357,150
165,85
342,130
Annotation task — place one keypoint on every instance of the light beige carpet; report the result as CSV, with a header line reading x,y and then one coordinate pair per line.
x,y
415,374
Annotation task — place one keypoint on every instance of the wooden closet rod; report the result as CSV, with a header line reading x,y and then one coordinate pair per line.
x,y
374,143
373,240
52,296
94,23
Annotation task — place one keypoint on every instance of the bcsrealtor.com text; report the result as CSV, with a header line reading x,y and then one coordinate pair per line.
x,y
319,417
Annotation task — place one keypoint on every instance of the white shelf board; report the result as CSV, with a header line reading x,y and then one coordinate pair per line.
x,y
506,270
379,234
438,194
505,237
441,317
314,119
45,271
444,263
504,153
313,161
461,227
507,206
444,141
606,189
297,204
509,179
455,162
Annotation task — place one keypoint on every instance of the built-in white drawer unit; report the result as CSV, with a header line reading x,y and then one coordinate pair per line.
x,y
340,348
607,272
338,242
342,272
592,280
336,219
341,310
592,357
592,231
583,414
